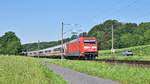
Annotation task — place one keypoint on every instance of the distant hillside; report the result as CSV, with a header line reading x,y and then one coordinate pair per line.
x,y
42,45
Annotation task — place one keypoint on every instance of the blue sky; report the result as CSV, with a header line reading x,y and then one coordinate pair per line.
x,y
34,20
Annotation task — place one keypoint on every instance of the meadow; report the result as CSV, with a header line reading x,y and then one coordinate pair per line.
x,y
26,70
122,73
139,53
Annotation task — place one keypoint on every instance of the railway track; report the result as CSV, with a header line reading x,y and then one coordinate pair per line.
x,y
129,62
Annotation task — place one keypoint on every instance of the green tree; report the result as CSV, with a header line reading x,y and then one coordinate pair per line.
x,y
128,40
10,44
103,33
147,37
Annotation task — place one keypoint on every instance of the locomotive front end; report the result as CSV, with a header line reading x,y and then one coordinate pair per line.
x,y
89,49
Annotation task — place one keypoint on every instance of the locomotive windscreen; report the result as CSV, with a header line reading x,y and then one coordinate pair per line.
x,y
90,41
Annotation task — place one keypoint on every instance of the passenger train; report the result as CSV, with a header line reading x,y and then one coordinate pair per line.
x,y
83,47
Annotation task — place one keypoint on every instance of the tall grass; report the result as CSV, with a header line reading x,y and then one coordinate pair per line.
x,y
26,70
123,73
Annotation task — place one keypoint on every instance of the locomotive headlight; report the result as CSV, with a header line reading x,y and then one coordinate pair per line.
x,y
94,47
86,47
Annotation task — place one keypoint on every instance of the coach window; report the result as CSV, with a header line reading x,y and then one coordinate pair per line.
x,y
41,52
89,42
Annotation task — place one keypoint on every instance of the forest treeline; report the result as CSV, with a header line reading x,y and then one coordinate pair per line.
x,y
125,34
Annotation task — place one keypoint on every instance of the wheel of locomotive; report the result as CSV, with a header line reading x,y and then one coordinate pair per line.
x,y
82,58
90,57
86,58
93,57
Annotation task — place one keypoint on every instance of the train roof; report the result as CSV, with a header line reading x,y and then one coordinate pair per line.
x,y
51,48
58,46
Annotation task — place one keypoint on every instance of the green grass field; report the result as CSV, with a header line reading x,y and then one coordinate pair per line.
x,y
140,53
122,73
26,70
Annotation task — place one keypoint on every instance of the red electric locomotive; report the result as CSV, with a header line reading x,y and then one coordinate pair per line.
x,y
83,47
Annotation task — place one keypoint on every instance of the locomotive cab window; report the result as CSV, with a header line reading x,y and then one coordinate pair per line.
x,y
89,41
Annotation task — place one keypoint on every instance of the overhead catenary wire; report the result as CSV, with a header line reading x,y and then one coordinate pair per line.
x,y
74,28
